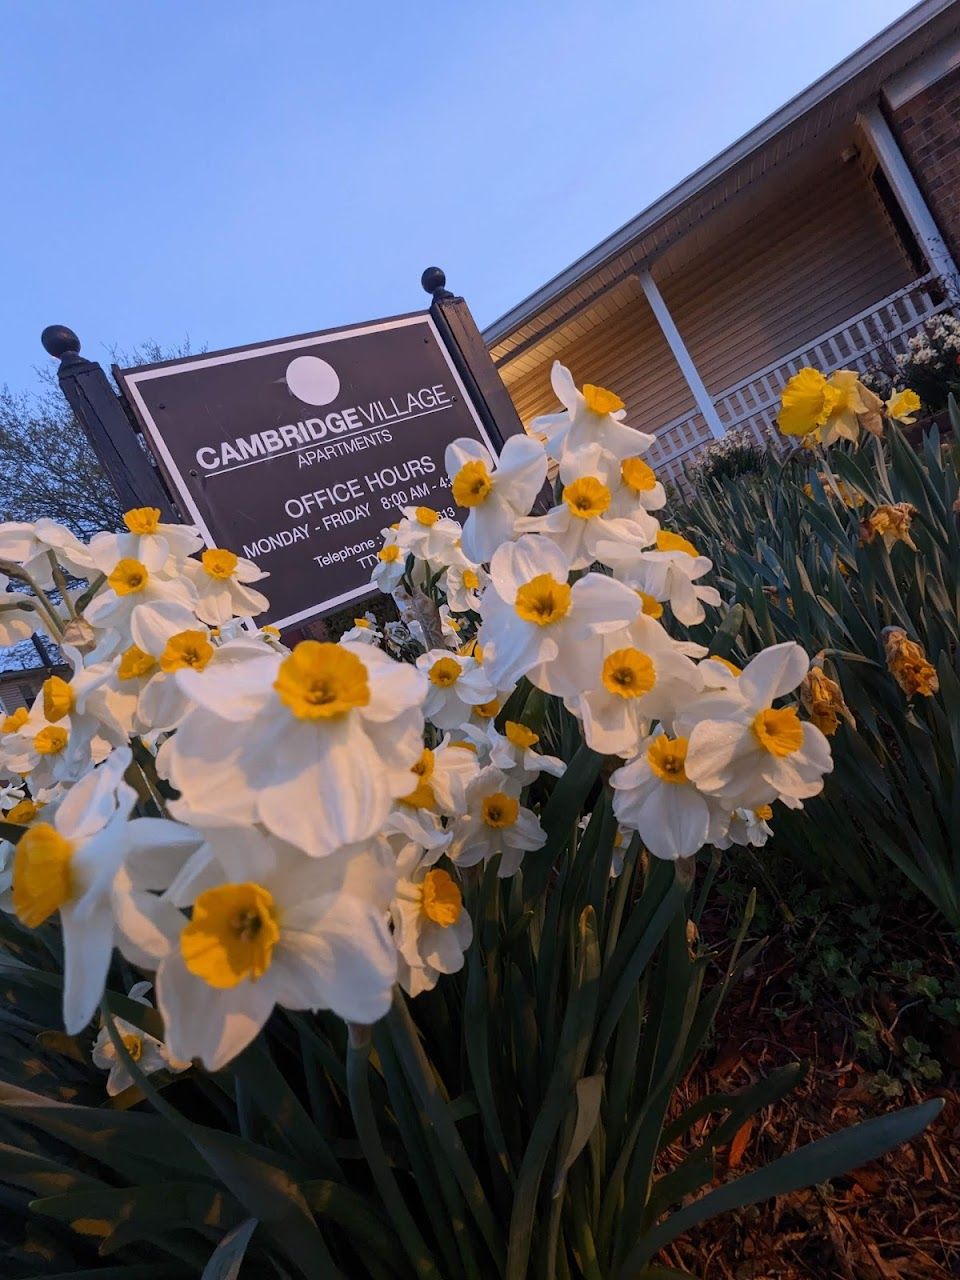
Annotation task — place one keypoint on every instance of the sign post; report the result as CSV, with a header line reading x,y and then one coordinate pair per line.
x,y
297,453
459,331
106,424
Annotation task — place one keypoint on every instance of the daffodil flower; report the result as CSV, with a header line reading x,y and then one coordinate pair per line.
x,y
222,583
68,865
748,827
424,533
463,585
275,928
11,793
826,409
16,623
363,631
29,545
432,928
421,826
174,640
668,572
747,753
536,624
903,407
149,1053
50,753
593,416
634,487
513,752
641,676
495,823
654,796
439,779
495,494
315,744
456,683
579,528
146,539
131,582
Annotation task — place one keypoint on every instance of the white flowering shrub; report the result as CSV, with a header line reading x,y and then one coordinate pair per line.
x,y
301,839
929,364
734,454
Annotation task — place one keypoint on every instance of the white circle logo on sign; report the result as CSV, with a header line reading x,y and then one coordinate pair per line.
x,y
312,380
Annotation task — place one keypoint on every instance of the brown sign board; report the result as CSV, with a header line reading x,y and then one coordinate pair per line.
x,y
297,453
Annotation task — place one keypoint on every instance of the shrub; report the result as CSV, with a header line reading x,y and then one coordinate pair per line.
x,y
735,454
929,365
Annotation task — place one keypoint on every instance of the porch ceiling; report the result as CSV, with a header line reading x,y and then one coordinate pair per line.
x,y
778,151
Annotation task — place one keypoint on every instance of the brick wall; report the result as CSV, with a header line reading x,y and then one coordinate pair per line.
x,y
928,130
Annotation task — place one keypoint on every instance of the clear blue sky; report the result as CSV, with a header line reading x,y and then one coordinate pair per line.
x,y
236,170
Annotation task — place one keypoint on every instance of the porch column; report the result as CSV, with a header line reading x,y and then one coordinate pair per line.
x,y
915,208
681,354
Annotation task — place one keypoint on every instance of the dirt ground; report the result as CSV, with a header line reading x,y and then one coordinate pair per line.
x,y
895,1219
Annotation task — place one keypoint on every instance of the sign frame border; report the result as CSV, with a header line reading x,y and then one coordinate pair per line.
x,y
129,378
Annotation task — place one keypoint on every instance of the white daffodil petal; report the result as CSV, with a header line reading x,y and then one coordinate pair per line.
x,y
207,1022
87,947
773,673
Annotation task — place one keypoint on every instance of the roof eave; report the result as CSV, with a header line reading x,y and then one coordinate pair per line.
x,y
835,80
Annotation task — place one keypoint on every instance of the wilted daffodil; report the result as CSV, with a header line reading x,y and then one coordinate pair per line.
x,y
833,489
822,699
909,665
891,523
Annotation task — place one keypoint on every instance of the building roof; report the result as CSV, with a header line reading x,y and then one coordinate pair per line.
x,y
833,98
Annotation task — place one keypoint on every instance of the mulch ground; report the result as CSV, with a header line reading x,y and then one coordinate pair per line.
x,y
895,1219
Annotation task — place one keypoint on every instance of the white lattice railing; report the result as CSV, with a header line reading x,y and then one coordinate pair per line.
x,y
677,442
753,403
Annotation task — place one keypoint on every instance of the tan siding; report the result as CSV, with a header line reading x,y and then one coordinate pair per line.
x,y
626,353
807,263
803,266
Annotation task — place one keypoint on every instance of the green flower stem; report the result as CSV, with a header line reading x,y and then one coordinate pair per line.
x,y
61,581
42,603
358,1088
421,1076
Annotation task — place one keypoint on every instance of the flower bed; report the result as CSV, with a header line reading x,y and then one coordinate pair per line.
x,y
420,907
